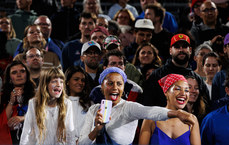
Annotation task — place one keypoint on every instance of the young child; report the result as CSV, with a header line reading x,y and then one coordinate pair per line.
x,y
49,118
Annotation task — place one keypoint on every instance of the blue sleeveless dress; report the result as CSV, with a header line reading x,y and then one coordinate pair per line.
x,y
160,138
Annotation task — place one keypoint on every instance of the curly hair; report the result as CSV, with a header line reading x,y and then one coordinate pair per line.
x,y
84,100
8,86
156,61
42,96
26,43
131,16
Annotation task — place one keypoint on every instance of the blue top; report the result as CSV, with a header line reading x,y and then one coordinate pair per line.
x,y
214,128
51,45
160,138
71,53
169,23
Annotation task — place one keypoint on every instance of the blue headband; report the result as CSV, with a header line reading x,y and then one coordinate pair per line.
x,y
112,70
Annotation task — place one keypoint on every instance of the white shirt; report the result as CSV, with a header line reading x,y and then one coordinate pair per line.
x,y
78,116
124,119
30,133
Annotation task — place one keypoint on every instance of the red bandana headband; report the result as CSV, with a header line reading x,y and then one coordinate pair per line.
x,y
167,81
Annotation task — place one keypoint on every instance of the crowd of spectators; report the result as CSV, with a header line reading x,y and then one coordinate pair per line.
x,y
48,50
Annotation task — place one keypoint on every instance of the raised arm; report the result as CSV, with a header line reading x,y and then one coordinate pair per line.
x,y
135,111
92,126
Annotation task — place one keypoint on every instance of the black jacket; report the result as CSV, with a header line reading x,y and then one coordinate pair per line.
x,y
152,91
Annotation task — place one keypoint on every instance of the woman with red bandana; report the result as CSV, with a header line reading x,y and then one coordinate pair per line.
x,y
172,131
124,114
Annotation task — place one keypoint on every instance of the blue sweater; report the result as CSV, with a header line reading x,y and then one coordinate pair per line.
x,y
215,127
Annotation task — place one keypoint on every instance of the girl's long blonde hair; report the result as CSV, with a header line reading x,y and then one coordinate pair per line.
x,y
42,96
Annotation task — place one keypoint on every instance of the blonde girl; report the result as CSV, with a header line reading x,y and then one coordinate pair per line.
x,y
49,117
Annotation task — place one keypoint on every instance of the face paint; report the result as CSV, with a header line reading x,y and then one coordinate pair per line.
x,y
112,87
178,95
55,87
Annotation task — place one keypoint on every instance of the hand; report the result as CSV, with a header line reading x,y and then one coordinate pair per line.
x,y
18,91
14,121
12,97
99,121
215,38
186,117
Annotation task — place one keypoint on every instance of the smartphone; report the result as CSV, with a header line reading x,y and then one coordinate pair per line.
x,y
106,106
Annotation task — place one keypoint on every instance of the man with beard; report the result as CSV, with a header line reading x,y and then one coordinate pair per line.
x,y
34,61
180,51
72,49
143,33
91,56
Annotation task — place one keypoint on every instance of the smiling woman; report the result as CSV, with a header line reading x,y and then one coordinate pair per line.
x,y
124,114
78,89
171,131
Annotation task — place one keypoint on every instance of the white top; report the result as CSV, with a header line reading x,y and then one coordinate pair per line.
x,y
210,90
30,132
78,116
116,7
124,119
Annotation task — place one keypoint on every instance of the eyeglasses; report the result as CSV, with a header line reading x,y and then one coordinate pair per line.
x,y
209,10
32,56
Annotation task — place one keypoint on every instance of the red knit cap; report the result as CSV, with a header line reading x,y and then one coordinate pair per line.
x,y
167,81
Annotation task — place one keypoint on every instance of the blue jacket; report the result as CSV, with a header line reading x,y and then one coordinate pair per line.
x,y
52,46
218,87
214,128
71,54
170,22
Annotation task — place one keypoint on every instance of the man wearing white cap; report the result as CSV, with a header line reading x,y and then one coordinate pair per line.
x,y
91,56
142,33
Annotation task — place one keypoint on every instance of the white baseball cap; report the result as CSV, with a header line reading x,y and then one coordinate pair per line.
x,y
144,24
89,44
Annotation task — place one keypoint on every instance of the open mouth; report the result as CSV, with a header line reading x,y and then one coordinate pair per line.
x,y
114,96
57,91
181,101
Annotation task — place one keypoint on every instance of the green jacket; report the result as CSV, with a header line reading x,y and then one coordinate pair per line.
x,y
21,19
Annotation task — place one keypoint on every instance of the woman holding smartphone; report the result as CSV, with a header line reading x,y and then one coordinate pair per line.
x,y
124,114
